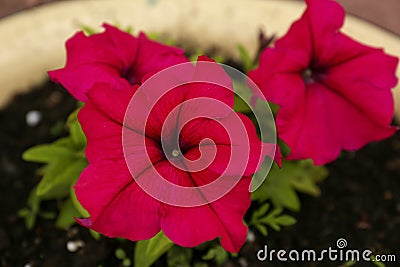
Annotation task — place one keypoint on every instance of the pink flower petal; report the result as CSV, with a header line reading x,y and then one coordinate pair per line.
x,y
113,57
333,92
222,218
116,204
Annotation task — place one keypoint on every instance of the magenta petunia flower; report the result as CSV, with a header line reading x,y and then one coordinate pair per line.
x,y
334,93
113,57
190,138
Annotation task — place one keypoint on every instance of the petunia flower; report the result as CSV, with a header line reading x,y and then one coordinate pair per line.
x,y
113,57
334,93
127,150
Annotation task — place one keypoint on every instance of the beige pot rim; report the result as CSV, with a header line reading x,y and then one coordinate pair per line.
x,y
32,42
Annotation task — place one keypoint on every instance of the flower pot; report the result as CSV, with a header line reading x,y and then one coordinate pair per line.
x,y
35,38
32,50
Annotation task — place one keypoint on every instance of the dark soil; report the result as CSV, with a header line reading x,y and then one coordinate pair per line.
x,y
360,200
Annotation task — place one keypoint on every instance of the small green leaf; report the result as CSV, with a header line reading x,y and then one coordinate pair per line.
x,y
281,184
350,263
34,200
148,251
88,30
120,254
29,216
126,262
287,197
243,95
94,234
262,228
48,215
64,142
47,153
261,211
247,61
216,253
193,57
377,263
78,206
274,219
285,220
30,213
179,256
75,130
67,214
305,182
58,179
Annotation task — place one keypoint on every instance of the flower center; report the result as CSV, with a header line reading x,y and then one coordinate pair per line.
x,y
175,153
311,75
129,75
307,75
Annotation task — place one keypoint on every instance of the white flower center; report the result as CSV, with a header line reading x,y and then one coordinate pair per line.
x,y
175,153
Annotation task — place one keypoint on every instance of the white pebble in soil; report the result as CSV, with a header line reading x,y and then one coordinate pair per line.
x,y
243,262
28,265
33,118
251,237
74,245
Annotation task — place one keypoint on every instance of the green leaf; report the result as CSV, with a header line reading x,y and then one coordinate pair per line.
x,y
285,220
75,130
78,206
305,181
350,263
193,57
179,256
281,184
30,213
261,211
377,263
218,254
243,95
126,262
65,142
274,219
67,213
48,153
262,228
247,61
148,251
87,30
59,177
120,254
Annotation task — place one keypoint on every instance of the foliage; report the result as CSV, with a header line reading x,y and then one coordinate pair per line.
x,y
247,61
148,251
31,212
65,160
281,188
217,254
121,255
281,184
274,219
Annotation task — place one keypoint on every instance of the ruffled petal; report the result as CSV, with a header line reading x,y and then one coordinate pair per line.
x,y
118,207
330,123
100,57
222,218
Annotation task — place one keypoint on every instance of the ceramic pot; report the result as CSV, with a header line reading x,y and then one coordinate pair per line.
x,y
32,42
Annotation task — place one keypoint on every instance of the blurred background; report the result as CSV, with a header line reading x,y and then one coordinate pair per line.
x,y
384,13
